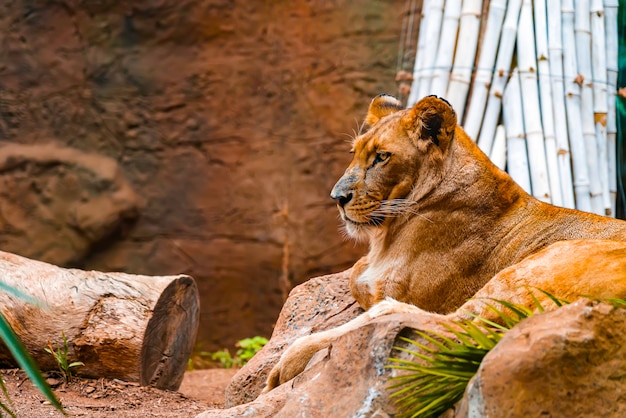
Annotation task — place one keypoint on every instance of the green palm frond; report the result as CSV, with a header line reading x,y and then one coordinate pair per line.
x,y
442,364
4,407
25,362
18,293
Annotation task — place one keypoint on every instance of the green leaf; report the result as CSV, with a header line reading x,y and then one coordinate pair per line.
x,y
76,363
437,376
10,289
538,304
6,408
558,302
488,322
26,362
616,302
522,312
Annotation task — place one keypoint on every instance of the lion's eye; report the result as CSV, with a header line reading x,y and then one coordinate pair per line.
x,y
381,156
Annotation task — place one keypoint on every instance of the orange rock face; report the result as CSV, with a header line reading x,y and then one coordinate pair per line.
x,y
227,123
569,362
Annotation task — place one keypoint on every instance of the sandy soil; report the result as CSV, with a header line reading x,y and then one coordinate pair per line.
x,y
200,390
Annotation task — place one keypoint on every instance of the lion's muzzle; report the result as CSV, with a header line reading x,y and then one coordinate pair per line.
x,y
342,191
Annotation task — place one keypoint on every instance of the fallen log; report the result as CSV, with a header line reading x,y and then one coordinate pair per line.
x,y
125,326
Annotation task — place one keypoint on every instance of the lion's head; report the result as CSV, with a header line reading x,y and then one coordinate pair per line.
x,y
396,162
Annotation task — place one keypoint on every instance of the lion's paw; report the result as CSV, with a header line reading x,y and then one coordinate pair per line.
x,y
294,360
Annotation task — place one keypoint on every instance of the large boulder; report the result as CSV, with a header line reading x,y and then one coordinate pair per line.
x,y
566,363
82,200
348,379
318,304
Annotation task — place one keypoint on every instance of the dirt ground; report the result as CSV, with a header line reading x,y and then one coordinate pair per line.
x,y
200,390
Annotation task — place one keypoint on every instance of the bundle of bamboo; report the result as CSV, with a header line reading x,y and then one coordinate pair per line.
x,y
561,132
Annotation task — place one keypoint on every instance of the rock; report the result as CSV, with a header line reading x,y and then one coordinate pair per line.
x,y
566,363
348,379
53,382
59,202
569,362
318,304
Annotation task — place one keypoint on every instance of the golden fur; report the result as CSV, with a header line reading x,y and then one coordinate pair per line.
x,y
444,225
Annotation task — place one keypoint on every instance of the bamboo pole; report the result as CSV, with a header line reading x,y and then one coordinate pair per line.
x,y
512,114
429,50
447,43
498,151
582,32
600,103
572,104
464,57
611,12
545,96
419,57
500,75
555,53
530,103
484,69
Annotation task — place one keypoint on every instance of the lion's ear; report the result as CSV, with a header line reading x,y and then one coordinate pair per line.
x,y
381,106
431,119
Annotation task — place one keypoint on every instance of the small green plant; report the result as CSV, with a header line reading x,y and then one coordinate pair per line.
x,y
23,359
246,349
61,357
443,365
224,358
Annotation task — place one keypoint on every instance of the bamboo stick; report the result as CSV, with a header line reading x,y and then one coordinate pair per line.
x,y
600,103
512,114
572,104
500,75
611,12
545,96
498,151
484,69
530,103
429,49
419,57
582,32
464,57
447,43
555,53
547,107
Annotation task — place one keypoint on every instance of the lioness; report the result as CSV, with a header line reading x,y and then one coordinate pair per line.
x,y
444,224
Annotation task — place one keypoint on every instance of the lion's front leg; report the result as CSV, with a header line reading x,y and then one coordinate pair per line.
x,y
295,359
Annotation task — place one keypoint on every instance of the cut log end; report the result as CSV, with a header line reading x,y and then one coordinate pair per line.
x,y
124,326
170,335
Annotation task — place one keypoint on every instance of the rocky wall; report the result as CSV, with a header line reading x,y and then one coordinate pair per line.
x,y
200,137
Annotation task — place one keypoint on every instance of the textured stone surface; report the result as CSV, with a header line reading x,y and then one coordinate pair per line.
x,y
566,363
58,203
318,304
348,379
569,362
228,119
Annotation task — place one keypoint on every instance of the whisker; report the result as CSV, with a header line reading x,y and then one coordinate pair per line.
x,y
361,126
350,138
397,207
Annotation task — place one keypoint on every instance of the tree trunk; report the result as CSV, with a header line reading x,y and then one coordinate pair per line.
x,y
130,327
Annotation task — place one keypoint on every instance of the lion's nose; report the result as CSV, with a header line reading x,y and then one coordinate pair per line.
x,y
342,199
